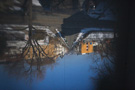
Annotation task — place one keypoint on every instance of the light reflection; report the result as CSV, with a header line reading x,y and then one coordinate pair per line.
x,y
98,45
65,49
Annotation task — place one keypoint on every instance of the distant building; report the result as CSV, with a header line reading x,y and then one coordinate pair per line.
x,y
92,41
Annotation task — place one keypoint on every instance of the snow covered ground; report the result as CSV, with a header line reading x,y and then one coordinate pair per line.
x,y
16,29
17,8
12,26
17,44
36,3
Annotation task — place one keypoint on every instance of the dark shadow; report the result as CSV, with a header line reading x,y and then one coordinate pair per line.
x,y
123,77
3,44
72,25
80,20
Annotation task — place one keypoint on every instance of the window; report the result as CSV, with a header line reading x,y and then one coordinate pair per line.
x,y
90,43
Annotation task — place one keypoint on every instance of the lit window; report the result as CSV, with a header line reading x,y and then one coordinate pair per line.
x,y
90,43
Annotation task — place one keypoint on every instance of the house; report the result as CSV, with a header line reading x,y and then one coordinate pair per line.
x,y
52,51
86,47
88,42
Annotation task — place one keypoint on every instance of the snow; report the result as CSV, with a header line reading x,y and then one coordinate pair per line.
x,y
49,32
36,3
42,42
46,29
61,37
100,35
13,25
60,50
13,32
80,36
86,30
95,43
18,44
15,8
16,1
5,27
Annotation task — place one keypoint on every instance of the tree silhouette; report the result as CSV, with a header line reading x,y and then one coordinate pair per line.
x,y
32,46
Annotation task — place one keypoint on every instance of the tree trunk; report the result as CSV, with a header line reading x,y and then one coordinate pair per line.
x,y
30,18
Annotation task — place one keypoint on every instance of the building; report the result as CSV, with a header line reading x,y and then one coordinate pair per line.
x,y
91,41
52,51
86,47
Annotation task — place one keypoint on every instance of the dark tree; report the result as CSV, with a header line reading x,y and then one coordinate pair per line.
x,y
46,4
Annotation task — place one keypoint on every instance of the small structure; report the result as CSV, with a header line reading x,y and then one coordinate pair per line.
x,y
89,42
86,47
